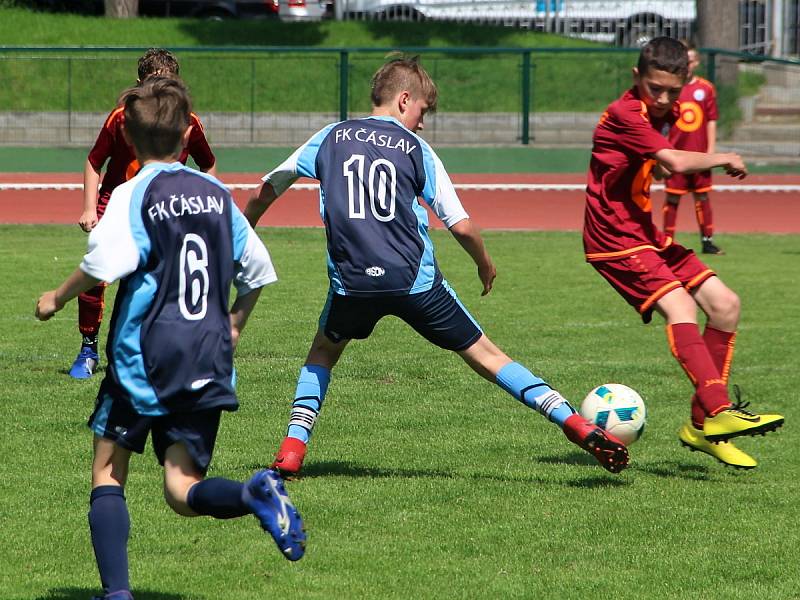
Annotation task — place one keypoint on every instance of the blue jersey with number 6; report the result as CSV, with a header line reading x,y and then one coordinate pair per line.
x,y
372,173
176,241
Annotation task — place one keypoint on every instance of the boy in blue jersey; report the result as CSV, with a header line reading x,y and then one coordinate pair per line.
x,y
176,241
372,172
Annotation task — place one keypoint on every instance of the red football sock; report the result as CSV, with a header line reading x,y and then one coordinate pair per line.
x,y
90,310
720,345
690,350
670,212
705,220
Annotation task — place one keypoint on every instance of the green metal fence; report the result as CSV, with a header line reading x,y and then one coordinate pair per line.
x,y
281,95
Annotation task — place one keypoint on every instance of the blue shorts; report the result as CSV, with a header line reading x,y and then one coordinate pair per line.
x,y
437,315
115,419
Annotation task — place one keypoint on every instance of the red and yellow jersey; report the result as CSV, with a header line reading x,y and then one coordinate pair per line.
x,y
618,218
122,164
698,102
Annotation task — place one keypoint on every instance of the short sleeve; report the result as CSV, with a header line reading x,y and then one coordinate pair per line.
x,y
254,268
441,195
104,144
634,130
198,146
302,163
113,253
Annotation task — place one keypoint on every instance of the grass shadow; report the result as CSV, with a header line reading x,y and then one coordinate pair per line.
x,y
344,469
85,593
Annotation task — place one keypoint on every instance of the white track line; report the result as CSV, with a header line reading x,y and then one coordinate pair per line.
x,y
486,187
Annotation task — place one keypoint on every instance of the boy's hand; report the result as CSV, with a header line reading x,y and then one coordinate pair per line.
x,y
47,306
736,167
88,220
487,274
661,172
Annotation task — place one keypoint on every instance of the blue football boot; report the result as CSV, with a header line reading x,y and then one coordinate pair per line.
x,y
85,364
267,498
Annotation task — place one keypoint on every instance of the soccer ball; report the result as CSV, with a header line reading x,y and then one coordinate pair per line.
x,y
618,409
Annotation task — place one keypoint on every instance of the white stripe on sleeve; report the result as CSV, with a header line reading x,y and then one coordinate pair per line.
x,y
112,252
446,204
255,269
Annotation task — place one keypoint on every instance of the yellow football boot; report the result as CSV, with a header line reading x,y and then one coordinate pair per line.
x,y
724,452
735,421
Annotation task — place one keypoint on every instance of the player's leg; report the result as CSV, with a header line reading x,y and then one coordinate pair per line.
x,y
490,362
704,214
118,432
722,307
670,213
184,444
440,317
342,319
90,315
109,521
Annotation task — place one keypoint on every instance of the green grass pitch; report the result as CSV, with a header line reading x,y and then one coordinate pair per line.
x,y
422,481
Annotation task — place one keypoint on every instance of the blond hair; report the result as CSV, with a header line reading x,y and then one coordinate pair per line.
x,y
403,74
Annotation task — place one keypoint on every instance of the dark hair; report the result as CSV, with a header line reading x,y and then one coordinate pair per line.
x,y
158,61
156,116
664,54
403,74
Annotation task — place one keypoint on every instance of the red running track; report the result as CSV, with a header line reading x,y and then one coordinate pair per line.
x,y
762,212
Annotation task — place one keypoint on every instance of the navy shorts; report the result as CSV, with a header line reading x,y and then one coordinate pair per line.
x,y
437,315
115,419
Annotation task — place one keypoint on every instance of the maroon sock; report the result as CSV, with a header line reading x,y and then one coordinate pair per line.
x,y
670,212
690,350
705,219
720,345
90,310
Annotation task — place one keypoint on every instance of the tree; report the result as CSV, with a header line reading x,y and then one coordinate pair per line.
x,y
122,9
718,27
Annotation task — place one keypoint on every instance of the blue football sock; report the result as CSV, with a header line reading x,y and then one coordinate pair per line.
x,y
309,395
218,497
534,392
110,525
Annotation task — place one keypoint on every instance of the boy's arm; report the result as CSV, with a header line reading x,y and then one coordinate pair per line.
x,y
53,301
712,136
683,161
470,239
240,311
91,180
257,205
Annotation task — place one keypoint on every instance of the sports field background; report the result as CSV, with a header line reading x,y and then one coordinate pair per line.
x,y
423,481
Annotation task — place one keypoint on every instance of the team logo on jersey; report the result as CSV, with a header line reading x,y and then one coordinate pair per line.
x,y
699,95
375,271
200,383
691,117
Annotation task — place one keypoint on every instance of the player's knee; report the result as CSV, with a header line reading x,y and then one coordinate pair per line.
x,y
726,307
176,499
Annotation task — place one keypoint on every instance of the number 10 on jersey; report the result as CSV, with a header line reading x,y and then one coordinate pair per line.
x,y
381,184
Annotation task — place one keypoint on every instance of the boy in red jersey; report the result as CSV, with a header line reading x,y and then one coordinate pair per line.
x,y
122,165
646,267
696,130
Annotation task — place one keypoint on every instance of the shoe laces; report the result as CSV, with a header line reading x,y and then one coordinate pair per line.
x,y
86,352
740,406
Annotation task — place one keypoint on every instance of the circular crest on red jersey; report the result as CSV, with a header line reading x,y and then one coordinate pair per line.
x,y
699,94
691,117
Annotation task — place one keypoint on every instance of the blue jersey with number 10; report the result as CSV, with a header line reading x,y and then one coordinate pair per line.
x,y
372,172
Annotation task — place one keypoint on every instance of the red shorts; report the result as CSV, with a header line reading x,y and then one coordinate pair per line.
x,y
680,183
645,277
